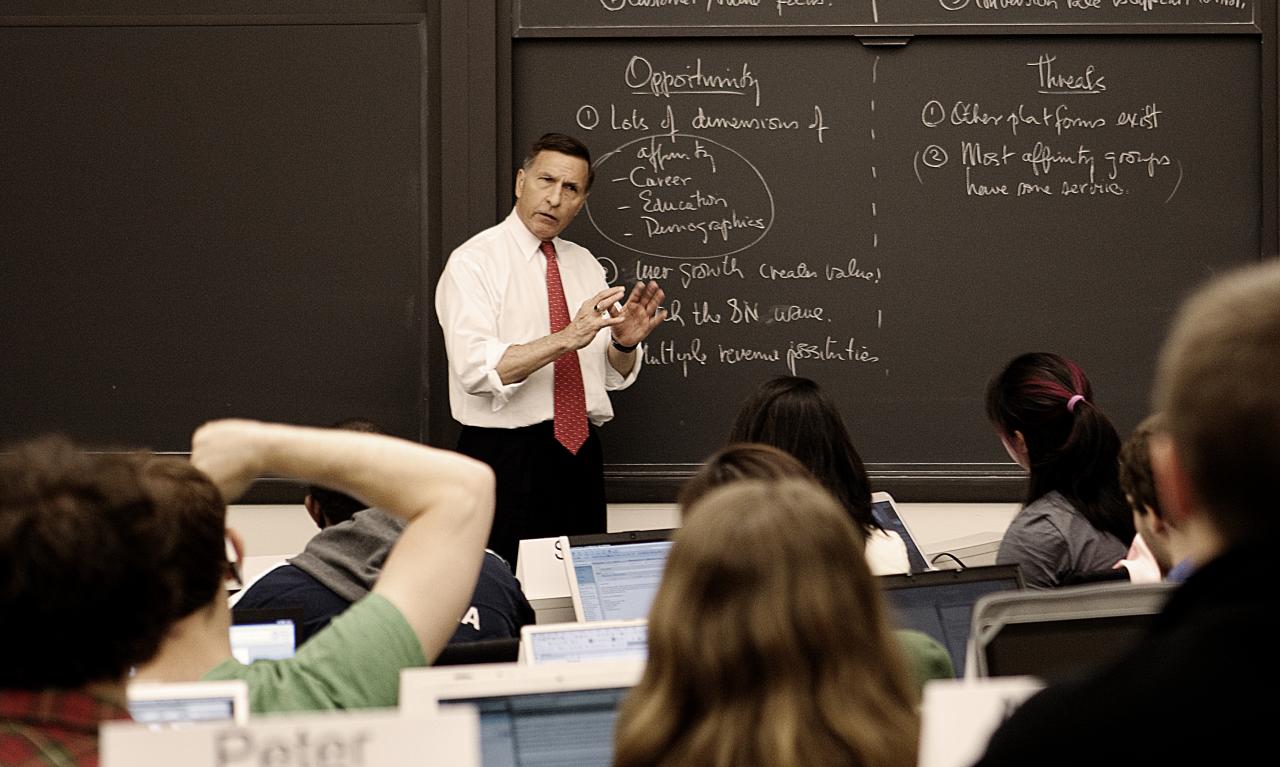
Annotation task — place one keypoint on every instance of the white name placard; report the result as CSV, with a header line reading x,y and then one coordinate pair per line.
x,y
366,739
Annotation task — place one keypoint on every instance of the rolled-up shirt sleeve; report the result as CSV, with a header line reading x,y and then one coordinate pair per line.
x,y
613,380
468,313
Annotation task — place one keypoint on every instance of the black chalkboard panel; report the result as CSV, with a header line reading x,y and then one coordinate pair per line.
x,y
213,220
898,222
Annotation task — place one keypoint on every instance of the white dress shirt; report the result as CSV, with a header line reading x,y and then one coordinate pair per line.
x,y
492,295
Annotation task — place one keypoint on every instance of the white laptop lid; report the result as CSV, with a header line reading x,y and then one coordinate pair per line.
x,y
578,642
562,714
885,512
181,703
383,738
422,689
614,576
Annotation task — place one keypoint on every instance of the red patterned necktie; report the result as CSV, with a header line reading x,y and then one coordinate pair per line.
x,y
570,401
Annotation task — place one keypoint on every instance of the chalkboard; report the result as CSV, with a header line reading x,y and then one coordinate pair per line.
x,y
898,222
211,217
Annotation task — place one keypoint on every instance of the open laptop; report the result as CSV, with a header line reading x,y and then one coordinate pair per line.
x,y
555,714
940,602
163,703
886,515
614,576
578,642
268,633
1061,633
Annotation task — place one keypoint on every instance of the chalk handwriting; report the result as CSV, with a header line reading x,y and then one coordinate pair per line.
x,y
666,352
643,78
1057,82
831,349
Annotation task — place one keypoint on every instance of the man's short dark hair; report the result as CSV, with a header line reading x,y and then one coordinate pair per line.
x,y
335,506
81,591
1135,466
564,144
1217,387
195,530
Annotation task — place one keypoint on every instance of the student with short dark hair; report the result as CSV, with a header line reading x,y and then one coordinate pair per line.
x,y
1157,545
768,643
1194,690
1074,520
341,563
80,533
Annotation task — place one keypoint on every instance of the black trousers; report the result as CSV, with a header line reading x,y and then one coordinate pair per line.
x,y
543,489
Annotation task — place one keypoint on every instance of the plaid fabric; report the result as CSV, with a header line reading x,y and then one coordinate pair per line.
x,y
52,728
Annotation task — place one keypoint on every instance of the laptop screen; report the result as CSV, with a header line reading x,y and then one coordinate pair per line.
x,y
579,642
214,708
886,516
618,581
551,728
940,603
1057,650
264,634
166,703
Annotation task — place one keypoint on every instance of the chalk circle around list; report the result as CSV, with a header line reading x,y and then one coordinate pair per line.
x,y
716,185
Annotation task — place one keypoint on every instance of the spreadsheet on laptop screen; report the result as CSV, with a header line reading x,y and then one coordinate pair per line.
x,y
618,582
549,729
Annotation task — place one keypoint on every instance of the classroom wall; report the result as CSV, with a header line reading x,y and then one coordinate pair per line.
x,y
283,530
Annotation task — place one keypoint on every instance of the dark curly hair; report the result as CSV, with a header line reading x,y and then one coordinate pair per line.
x,y
82,589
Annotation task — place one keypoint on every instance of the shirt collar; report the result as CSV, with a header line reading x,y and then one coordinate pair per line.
x,y
528,244
73,709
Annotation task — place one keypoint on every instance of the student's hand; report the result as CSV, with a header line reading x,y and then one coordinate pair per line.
x,y
230,452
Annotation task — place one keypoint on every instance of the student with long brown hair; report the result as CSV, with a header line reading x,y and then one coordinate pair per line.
x,y
926,658
796,415
768,643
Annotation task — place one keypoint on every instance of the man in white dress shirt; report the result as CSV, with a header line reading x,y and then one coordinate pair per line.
x,y
529,380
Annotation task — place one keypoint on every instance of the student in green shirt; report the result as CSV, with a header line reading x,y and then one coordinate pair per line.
x,y
413,609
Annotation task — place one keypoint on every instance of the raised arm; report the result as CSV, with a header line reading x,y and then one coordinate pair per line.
x,y
446,498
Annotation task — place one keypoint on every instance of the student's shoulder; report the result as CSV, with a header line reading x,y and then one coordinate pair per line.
x,y
1050,512
285,584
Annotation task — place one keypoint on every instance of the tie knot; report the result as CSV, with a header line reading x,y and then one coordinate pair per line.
x,y
548,249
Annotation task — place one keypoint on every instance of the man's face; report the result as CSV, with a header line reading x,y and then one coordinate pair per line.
x,y
551,192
